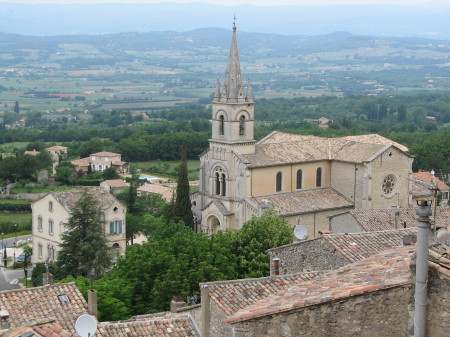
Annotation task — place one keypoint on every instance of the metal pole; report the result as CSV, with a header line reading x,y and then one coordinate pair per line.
x,y
420,308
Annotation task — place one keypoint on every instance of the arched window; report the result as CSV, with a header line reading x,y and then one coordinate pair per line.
x,y
224,185
241,125
299,179
278,184
221,125
319,177
217,184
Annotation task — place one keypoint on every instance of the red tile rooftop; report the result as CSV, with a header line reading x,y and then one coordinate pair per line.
x,y
232,296
166,327
385,270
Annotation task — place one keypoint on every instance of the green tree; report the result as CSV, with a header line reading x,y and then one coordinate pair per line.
x,y
182,208
83,248
257,236
110,173
16,107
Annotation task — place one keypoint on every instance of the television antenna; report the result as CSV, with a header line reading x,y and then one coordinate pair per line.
x,y
300,232
86,325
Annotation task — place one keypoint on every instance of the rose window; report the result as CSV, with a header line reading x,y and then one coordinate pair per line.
x,y
388,184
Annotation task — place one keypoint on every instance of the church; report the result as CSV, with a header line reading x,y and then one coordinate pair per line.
x,y
306,179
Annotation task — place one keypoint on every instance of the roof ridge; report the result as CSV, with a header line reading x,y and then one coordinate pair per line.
x,y
258,279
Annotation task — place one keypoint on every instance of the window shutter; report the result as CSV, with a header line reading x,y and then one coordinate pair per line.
x,y
111,227
120,226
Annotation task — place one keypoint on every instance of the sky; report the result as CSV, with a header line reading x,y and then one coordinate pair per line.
x,y
426,3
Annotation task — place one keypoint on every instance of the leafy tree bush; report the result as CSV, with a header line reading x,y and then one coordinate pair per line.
x,y
83,247
175,260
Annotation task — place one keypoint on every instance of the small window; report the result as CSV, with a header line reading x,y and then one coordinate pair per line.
x,y
299,179
278,182
40,250
115,227
221,125
241,125
319,177
217,184
224,185
50,206
115,209
39,223
50,227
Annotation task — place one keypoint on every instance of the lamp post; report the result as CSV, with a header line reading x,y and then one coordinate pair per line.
x,y
3,245
15,244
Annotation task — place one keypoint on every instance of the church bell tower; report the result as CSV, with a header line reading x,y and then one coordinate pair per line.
x,y
233,107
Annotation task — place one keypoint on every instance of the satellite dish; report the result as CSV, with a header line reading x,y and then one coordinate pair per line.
x,y
300,232
86,325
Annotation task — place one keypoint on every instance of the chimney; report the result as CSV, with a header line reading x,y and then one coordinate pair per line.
x,y
176,303
92,302
4,320
276,266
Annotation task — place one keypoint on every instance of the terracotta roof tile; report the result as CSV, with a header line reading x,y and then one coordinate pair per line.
x,y
31,305
81,162
426,177
235,295
283,148
166,327
357,246
164,191
69,198
304,201
105,154
114,183
52,330
385,270
56,148
384,219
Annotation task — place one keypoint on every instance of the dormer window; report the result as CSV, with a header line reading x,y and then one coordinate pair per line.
x,y
63,298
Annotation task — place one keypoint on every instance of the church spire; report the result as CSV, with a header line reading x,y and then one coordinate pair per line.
x,y
233,81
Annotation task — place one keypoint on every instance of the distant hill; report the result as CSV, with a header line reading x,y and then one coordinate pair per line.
x,y
214,41
375,20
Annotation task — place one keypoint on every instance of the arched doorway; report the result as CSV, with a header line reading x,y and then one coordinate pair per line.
x,y
213,225
115,252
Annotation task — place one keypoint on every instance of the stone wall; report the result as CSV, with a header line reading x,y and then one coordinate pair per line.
x,y
304,256
381,313
217,328
194,312
315,222
438,308
345,223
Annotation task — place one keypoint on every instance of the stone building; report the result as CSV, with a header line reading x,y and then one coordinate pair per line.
x,y
424,183
51,212
363,220
368,295
50,308
332,251
305,178
101,161
57,152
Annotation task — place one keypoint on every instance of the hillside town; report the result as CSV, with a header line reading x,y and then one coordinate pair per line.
x,y
362,248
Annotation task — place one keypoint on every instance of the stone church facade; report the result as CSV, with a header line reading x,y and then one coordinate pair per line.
x,y
305,178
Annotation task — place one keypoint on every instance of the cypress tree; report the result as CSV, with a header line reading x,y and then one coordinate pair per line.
x,y
182,210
